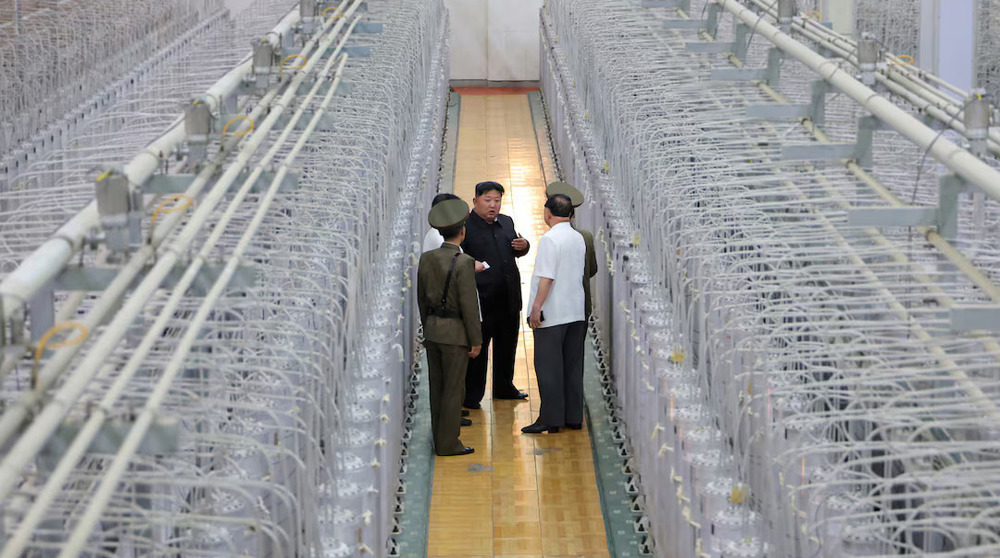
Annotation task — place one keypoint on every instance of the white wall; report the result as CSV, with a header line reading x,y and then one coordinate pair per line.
x,y
494,40
947,40
468,38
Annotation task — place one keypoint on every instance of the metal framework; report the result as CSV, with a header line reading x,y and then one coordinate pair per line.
x,y
205,349
800,293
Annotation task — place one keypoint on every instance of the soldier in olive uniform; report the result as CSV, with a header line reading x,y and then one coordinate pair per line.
x,y
590,261
449,311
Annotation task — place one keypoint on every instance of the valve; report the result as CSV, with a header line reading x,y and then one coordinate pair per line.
x,y
264,58
307,12
198,126
868,55
786,11
115,202
976,118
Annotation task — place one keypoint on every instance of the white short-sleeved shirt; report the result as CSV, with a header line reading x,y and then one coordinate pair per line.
x,y
433,240
560,257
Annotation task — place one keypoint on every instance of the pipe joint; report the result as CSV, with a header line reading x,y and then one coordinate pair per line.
x,y
976,116
868,57
786,11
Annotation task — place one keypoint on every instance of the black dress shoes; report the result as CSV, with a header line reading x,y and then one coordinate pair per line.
x,y
577,426
465,412
518,395
472,405
464,451
466,422
538,428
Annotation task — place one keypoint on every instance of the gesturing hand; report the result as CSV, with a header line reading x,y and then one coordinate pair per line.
x,y
519,243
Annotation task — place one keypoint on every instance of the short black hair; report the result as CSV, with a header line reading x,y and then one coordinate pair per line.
x,y
484,187
560,205
451,232
572,211
443,197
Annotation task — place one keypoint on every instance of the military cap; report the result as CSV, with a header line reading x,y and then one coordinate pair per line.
x,y
566,189
449,213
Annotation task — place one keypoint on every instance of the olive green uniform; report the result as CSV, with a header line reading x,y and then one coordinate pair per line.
x,y
589,269
448,336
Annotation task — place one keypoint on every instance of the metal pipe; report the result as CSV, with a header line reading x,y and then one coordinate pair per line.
x,y
961,162
46,420
130,445
48,260
91,428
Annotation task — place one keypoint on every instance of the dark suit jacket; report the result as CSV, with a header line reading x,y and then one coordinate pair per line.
x,y
432,271
589,269
500,285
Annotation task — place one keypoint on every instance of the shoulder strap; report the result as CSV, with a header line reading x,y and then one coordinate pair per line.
x,y
447,280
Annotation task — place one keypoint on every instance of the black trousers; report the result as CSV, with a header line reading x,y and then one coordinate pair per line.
x,y
501,328
446,366
559,370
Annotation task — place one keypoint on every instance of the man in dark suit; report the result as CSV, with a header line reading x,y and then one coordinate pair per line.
x,y
590,265
491,238
449,312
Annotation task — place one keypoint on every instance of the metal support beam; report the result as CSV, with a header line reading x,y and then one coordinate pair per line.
x,y
741,32
774,59
879,217
773,112
818,152
714,10
98,278
42,311
951,187
737,74
178,183
368,28
975,318
708,47
685,24
163,438
867,126
818,102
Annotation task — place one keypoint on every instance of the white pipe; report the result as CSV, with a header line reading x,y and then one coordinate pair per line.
x,y
16,413
977,396
47,420
923,89
48,260
91,428
960,161
109,482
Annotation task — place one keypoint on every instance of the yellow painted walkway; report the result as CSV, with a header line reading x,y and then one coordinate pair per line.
x,y
518,495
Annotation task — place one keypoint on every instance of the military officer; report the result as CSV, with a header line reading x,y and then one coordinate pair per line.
x,y
590,262
449,312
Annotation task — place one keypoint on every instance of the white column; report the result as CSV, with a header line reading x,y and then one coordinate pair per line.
x,y
947,40
842,14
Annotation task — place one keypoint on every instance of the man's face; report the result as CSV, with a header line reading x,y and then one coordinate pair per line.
x,y
487,205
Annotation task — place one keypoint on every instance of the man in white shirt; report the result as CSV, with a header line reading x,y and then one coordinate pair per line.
x,y
433,239
556,306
